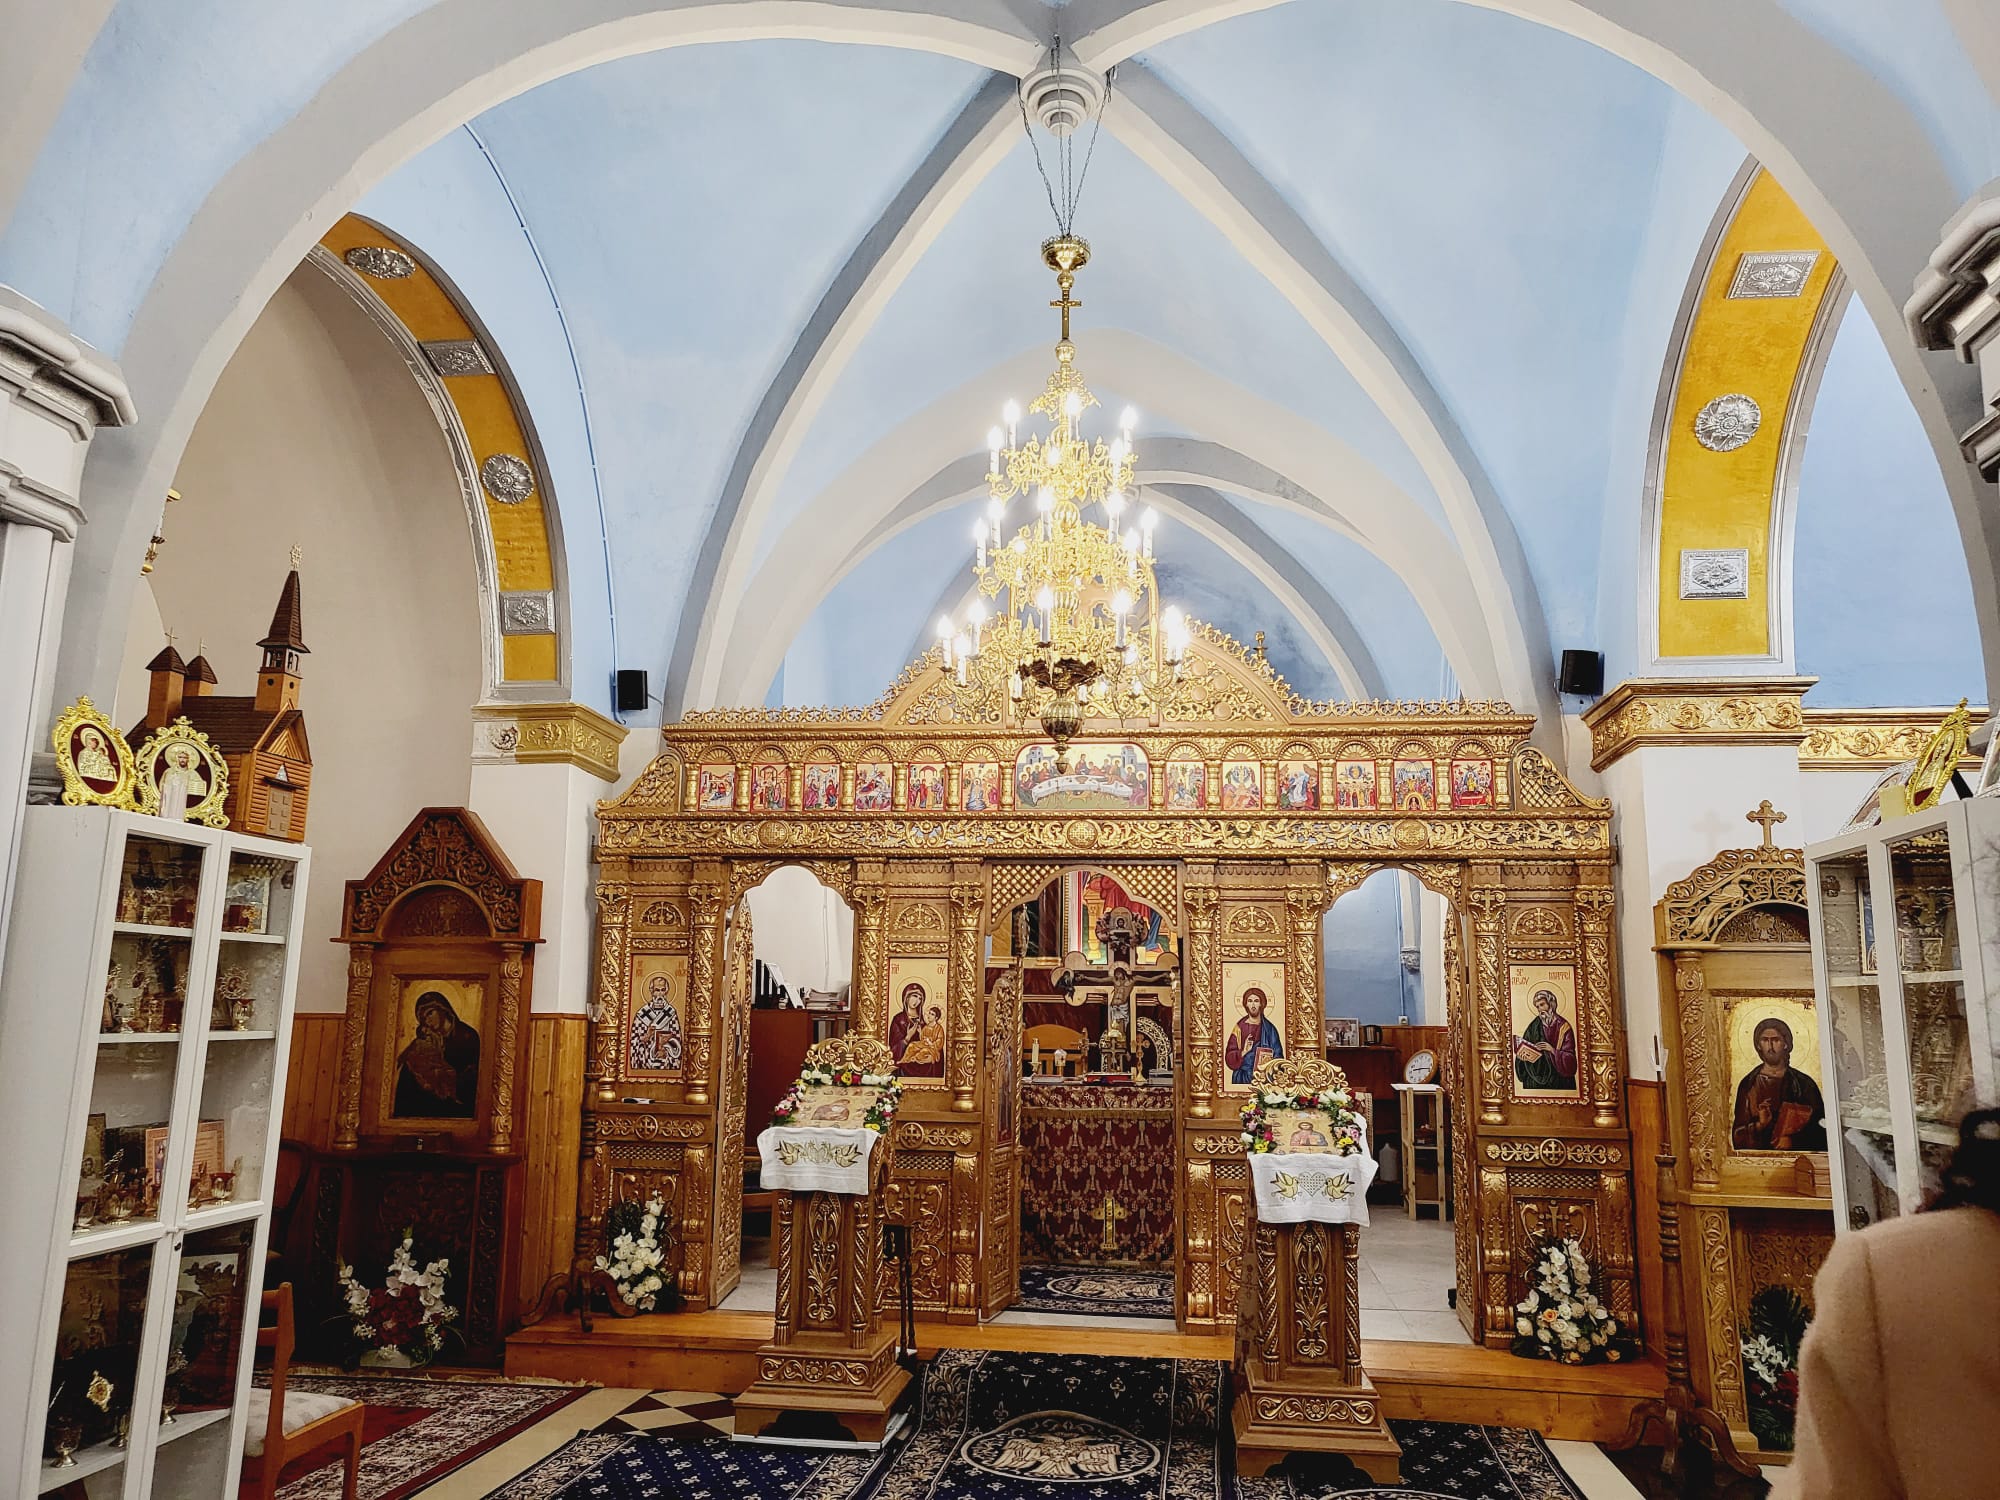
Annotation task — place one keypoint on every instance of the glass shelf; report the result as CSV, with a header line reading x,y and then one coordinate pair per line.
x,y
159,883
126,1135
1864,1146
237,1088
98,1341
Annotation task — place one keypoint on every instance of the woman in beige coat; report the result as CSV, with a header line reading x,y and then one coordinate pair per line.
x,y
1899,1376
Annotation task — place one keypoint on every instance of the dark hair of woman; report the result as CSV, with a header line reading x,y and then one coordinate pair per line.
x,y
1972,1177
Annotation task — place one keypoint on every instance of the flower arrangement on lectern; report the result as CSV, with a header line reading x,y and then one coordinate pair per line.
x,y
1561,1318
1770,1341
887,1086
1350,1131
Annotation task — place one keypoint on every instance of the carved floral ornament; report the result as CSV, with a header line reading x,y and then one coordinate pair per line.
x,y
1525,806
1698,907
1663,711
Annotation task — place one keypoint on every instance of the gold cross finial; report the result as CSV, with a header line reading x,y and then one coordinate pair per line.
x,y
298,554
1065,303
170,635
1766,818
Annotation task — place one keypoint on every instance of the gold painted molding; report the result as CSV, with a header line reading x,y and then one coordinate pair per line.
x,y
1684,711
1862,739
541,733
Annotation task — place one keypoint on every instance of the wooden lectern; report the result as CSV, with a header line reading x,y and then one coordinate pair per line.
x,y
1299,1381
830,1352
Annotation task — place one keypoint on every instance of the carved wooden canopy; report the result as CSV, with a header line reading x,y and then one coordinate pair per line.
x,y
1244,767
1698,908
443,877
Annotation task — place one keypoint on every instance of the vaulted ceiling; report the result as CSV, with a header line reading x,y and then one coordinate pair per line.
x,y
1391,284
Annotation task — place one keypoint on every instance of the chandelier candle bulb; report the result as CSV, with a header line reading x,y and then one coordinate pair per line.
x,y
1011,415
979,543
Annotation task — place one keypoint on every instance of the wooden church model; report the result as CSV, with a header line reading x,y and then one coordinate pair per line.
x,y
262,738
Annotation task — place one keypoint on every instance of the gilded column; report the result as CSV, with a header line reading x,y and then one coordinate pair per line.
x,y
871,950
1489,993
353,1044
1199,1245
512,965
1704,1140
968,900
962,1297
706,900
607,1003
1305,899
1203,997
1496,1254
1593,914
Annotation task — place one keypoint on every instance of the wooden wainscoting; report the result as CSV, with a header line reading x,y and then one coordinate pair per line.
x,y
555,1138
1643,1100
312,1081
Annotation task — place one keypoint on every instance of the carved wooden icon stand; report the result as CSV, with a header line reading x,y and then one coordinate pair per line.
x,y
1299,1382
830,1352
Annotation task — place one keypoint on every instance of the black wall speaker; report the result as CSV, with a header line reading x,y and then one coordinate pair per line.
x,y
1582,673
631,690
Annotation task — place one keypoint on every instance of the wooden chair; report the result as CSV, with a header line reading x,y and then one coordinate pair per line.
x,y
284,1425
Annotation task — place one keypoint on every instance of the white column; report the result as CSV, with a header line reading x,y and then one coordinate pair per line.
x,y
538,773
54,395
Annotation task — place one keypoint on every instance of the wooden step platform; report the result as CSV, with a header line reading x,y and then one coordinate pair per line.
x,y
716,1351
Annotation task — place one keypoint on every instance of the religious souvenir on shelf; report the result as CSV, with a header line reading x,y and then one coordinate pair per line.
x,y
235,1007
93,757
182,777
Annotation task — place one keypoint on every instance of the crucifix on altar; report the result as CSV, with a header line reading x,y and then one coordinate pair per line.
x,y
1111,1211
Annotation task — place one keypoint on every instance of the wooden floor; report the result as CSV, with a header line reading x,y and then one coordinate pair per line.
x,y
716,1351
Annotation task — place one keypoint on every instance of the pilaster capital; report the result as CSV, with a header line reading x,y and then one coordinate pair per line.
x,y
547,733
1696,711
1956,305
48,364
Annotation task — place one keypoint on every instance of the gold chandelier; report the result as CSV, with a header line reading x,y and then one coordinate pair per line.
x,y
1076,627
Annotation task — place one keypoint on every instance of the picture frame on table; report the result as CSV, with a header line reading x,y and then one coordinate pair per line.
x,y
1343,1031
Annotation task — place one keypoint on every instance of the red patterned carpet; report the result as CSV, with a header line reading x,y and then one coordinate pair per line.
x,y
417,1430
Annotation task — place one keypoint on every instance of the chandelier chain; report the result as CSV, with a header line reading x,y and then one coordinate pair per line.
x,y
1064,205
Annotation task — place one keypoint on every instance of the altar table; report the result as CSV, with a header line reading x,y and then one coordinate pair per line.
x,y
1083,1144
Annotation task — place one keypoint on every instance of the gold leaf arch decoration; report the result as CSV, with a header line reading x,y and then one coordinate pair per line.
x,y
1700,906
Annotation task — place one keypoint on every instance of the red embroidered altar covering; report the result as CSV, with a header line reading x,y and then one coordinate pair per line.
x,y
1082,1141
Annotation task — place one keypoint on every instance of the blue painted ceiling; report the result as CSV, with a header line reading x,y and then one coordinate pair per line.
x,y
647,238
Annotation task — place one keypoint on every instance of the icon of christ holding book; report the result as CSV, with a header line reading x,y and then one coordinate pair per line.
x,y
1254,1041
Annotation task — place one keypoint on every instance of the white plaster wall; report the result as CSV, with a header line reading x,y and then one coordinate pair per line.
x,y
1827,799
1432,914
803,929
317,436
543,816
1675,808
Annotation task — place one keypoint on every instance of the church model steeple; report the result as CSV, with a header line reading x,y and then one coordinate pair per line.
x,y
168,674
283,643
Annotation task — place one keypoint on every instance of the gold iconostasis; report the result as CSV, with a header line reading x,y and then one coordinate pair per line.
x,y
1237,823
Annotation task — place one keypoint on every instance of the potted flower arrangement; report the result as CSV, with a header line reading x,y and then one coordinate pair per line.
x,y
1350,1130
888,1094
1561,1318
639,1264
1770,1340
403,1322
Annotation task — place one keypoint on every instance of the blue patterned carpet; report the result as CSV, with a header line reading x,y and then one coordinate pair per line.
x,y
1096,1291
998,1426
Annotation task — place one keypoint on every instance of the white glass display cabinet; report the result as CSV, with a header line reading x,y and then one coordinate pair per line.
x,y
145,1019
1906,953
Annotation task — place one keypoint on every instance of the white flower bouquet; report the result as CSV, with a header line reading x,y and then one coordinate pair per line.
x,y
1561,1318
637,1264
